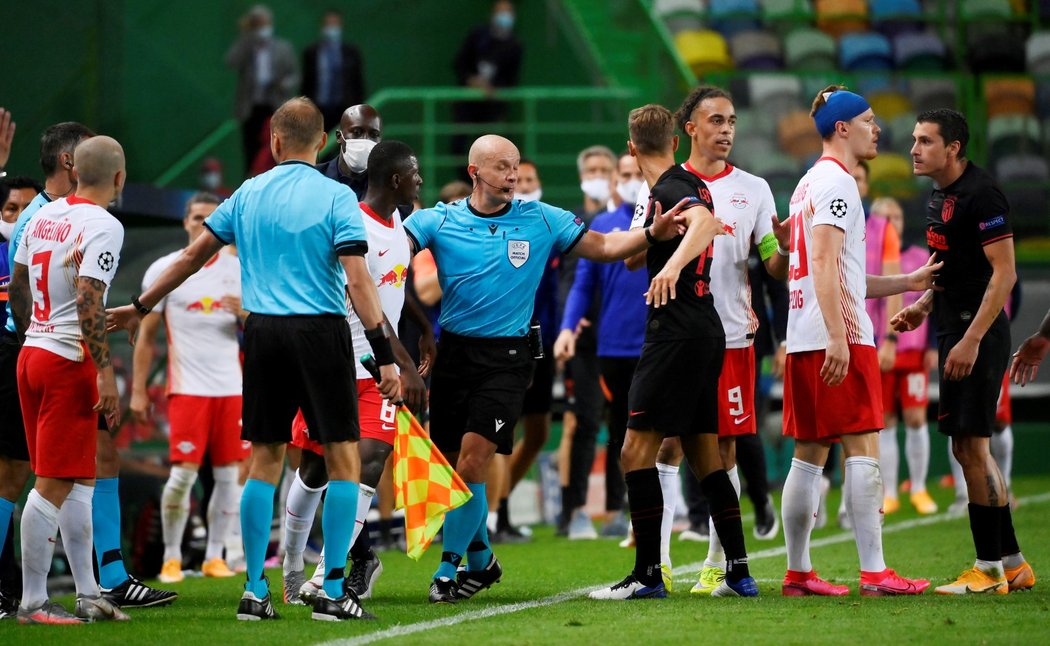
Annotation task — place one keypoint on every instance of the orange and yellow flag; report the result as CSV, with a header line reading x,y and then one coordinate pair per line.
x,y
425,484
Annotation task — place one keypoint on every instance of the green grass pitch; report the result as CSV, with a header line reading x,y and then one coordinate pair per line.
x,y
542,598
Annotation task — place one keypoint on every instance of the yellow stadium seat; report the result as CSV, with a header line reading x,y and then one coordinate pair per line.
x,y
891,175
888,105
704,51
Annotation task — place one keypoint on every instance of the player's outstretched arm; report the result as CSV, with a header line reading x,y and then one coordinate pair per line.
x,y
703,229
21,299
618,245
365,301
917,281
141,364
427,344
92,315
827,245
1026,360
912,316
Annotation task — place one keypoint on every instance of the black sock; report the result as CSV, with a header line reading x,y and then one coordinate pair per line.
x,y
362,546
986,527
502,515
725,513
647,510
1008,537
566,508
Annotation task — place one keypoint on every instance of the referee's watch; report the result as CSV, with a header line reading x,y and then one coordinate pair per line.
x,y
137,304
649,236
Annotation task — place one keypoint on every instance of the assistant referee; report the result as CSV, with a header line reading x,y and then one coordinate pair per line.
x,y
490,251
297,232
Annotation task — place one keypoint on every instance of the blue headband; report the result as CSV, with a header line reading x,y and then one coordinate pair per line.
x,y
839,106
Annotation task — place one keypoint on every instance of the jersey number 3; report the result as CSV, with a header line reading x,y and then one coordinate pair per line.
x,y
41,312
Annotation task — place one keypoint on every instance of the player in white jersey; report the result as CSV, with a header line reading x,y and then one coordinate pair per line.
x,y
832,385
201,318
64,264
393,179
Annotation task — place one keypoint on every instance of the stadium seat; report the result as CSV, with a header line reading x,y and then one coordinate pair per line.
x,y
838,17
919,51
1013,133
731,17
754,121
972,10
756,50
798,136
809,49
891,174
777,169
783,16
888,104
1042,99
1009,96
1022,168
750,146
930,93
775,94
994,47
703,51
867,51
900,128
892,17
1037,53
680,15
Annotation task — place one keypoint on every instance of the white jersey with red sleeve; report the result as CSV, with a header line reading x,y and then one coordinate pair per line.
x,y
65,240
746,207
388,258
641,207
826,195
203,353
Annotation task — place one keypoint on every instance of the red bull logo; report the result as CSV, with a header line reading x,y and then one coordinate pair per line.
x,y
207,305
730,229
396,277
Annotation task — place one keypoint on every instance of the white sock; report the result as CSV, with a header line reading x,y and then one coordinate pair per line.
x,y
716,556
917,452
234,545
492,521
319,572
889,461
175,509
39,529
670,485
798,508
1002,446
74,521
961,492
1013,560
995,568
364,503
300,508
224,498
282,500
864,502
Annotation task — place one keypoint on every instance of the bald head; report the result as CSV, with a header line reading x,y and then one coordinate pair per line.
x,y
299,124
361,121
97,162
490,147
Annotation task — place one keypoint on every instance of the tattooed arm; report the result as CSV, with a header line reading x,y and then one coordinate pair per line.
x,y
92,314
21,300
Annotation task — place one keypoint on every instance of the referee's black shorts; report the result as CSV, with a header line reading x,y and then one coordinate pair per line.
x,y
293,362
478,386
967,407
675,387
12,429
539,398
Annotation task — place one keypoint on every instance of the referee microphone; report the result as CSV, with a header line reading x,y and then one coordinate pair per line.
x,y
369,362
505,189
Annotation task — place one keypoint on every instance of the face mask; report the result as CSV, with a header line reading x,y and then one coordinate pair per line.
x,y
504,21
531,196
6,229
211,181
356,154
628,191
264,33
596,188
332,33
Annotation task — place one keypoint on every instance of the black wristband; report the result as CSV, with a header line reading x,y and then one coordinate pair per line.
x,y
380,342
890,337
137,304
649,236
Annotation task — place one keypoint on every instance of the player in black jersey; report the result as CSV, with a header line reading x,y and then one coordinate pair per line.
x,y
675,386
968,226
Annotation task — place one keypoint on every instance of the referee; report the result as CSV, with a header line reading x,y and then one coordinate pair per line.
x,y
296,233
490,251
968,226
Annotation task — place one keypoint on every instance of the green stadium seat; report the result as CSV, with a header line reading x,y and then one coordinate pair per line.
x,y
1037,53
704,51
809,49
750,146
1013,133
783,16
974,10
900,128
1009,96
754,121
776,168
775,94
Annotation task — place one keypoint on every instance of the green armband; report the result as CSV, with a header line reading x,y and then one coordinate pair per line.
x,y
767,246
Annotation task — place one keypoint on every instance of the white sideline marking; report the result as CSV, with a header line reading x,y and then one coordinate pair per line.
x,y
494,611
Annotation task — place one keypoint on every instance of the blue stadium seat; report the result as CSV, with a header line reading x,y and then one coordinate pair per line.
x,y
867,51
756,50
890,17
917,51
730,17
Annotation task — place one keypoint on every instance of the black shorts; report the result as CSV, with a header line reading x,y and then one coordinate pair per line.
x,y
478,386
12,428
299,362
675,387
967,407
540,395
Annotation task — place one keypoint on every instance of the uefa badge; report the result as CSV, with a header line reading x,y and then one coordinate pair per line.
x,y
518,252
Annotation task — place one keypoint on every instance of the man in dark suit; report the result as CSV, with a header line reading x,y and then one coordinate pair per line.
x,y
333,72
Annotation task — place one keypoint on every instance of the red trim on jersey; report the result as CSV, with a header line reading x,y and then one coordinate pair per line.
x,y
76,199
211,261
375,216
1003,237
689,167
841,165
846,305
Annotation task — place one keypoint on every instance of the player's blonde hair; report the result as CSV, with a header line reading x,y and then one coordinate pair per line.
x,y
651,129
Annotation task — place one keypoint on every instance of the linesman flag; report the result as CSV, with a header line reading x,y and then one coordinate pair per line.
x,y
425,484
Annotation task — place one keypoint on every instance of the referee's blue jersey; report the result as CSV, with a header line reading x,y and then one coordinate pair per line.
x,y
290,224
489,267
16,236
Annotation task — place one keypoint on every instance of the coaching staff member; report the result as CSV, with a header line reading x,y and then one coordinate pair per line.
x,y
968,226
296,232
490,251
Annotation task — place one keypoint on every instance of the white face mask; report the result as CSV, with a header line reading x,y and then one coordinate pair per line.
x,y
6,229
211,181
628,191
596,188
531,196
264,33
332,33
356,154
